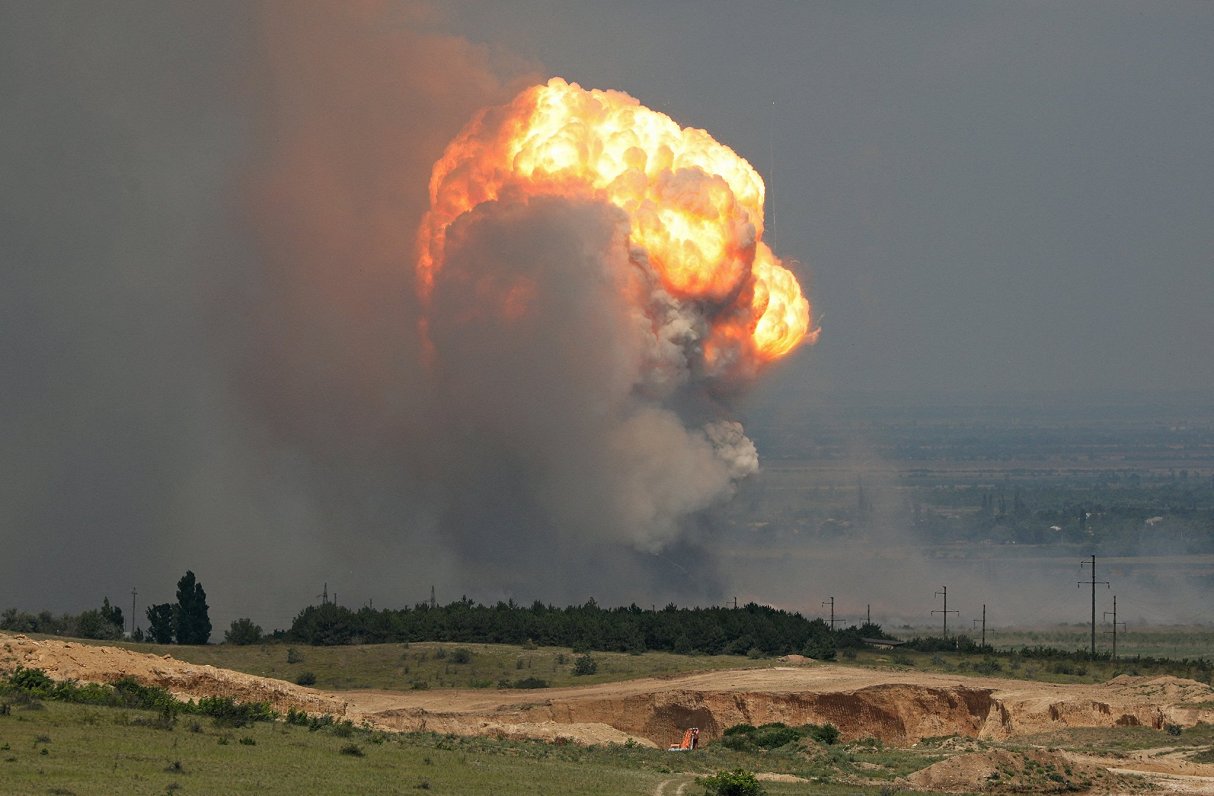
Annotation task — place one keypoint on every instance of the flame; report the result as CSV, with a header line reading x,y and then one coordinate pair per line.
x,y
695,208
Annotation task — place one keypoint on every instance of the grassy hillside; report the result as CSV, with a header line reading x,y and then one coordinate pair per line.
x,y
444,665
73,749
438,665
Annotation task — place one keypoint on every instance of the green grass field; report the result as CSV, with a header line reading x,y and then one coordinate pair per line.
x,y
59,748
62,748
401,667
438,665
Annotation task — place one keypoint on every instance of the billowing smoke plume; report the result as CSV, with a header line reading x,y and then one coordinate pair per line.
x,y
530,411
588,268
215,351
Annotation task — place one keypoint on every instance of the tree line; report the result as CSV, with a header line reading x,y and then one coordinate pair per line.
x,y
750,629
186,621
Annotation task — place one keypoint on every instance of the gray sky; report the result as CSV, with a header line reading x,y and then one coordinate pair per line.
x,y
987,196
206,215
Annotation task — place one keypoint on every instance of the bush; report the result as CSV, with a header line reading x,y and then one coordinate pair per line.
x,y
773,736
987,666
34,681
306,678
738,782
745,737
230,713
585,665
461,655
823,733
529,682
300,718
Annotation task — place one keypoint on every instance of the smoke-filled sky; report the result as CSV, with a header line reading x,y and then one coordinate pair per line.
x,y
211,352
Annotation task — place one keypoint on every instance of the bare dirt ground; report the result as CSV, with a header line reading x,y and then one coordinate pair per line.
x,y
898,707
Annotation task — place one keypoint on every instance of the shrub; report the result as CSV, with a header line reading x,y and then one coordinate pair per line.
x,y
824,733
461,655
293,656
306,678
745,737
352,749
738,782
34,681
585,665
987,666
773,736
530,682
230,713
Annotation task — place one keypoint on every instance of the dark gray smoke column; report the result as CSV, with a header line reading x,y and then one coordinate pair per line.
x,y
558,474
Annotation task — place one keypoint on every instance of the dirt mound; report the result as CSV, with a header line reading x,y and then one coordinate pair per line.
x,y
1005,771
68,660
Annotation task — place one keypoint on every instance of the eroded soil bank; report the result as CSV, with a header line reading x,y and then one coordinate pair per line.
x,y
897,707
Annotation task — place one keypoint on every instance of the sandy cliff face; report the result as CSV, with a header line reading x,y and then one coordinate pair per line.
x,y
896,707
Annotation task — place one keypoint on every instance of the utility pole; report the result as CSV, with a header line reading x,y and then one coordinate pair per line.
x,y
735,603
975,624
134,591
944,610
1093,583
832,611
324,595
1115,624
868,613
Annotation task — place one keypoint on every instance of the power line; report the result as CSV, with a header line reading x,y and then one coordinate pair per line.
x,y
944,610
1115,624
832,611
975,622
1093,583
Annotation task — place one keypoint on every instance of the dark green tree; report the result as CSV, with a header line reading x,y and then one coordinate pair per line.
x,y
160,623
104,623
191,619
112,614
242,631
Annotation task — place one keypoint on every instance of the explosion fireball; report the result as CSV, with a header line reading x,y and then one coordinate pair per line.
x,y
693,209
592,279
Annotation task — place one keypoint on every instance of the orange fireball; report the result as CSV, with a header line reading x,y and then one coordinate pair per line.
x,y
695,208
